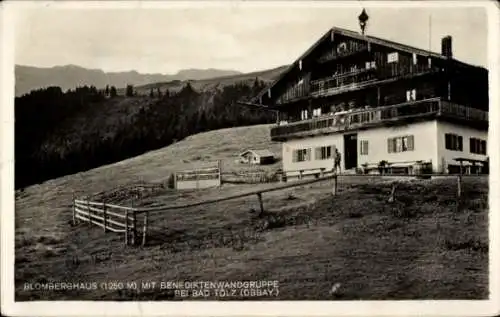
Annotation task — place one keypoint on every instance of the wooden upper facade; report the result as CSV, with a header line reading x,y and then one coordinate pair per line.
x,y
345,71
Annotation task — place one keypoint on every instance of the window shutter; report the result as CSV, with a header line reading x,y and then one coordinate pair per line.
x,y
295,156
460,143
447,141
483,147
410,143
389,145
308,151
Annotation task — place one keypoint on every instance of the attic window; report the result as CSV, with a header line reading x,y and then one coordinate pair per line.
x,y
269,93
300,64
429,62
392,57
414,59
341,47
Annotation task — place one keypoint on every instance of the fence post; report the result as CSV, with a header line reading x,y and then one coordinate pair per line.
x,y
88,209
104,217
219,165
300,174
197,179
126,227
321,172
74,210
134,227
334,191
145,228
175,180
260,202
459,186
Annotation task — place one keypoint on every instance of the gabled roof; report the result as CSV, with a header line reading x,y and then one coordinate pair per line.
x,y
261,153
355,35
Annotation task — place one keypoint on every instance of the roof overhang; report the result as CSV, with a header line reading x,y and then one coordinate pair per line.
x,y
358,36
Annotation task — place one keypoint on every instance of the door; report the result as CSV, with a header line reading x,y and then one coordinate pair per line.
x,y
350,150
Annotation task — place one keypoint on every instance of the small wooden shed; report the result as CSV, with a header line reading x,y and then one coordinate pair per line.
x,y
257,157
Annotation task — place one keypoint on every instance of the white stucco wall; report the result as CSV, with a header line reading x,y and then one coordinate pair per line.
x,y
424,146
313,142
447,156
429,145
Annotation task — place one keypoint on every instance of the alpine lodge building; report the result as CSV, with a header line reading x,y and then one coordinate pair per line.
x,y
379,103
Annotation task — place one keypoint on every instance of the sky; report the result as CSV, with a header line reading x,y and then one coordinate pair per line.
x,y
233,36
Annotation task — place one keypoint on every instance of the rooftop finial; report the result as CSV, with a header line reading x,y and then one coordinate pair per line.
x,y
363,18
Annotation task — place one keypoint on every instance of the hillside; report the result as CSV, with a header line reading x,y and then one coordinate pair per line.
x,y
423,246
267,76
70,76
59,133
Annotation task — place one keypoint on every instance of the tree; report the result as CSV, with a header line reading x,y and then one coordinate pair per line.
x,y
112,91
106,91
151,93
159,92
129,91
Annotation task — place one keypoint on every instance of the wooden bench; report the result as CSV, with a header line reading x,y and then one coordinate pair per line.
x,y
474,167
401,167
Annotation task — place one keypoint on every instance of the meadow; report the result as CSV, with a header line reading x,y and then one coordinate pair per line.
x,y
424,245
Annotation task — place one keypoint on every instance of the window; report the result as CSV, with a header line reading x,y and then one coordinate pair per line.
x,y
363,147
317,112
369,65
300,65
303,114
453,142
411,95
429,62
414,59
400,144
477,146
323,152
301,155
342,47
392,57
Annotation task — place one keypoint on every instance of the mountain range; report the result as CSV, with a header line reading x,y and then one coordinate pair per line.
x,y
70,76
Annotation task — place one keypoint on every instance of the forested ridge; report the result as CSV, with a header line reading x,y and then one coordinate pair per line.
x,y
59,133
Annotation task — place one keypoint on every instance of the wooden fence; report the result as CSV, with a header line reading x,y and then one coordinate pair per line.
x,y
124,219
198,178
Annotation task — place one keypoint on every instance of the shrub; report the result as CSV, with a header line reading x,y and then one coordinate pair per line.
x,y
171,181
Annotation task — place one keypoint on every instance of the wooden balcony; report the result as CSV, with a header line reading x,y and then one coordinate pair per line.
x,y
362,78
419,109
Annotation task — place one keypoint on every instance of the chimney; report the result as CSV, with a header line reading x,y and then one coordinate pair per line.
x,y
446,48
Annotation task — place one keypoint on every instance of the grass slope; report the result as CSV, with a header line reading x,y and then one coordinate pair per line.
x,y
421,247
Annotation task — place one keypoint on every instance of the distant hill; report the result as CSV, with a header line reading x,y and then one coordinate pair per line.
x,y
70,76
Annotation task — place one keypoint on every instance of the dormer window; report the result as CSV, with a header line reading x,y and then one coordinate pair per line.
x,y
414,59
300,65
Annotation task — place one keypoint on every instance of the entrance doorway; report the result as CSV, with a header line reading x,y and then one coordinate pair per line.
x,y
350,150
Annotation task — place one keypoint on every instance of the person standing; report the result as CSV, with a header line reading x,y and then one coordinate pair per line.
x,y
337,158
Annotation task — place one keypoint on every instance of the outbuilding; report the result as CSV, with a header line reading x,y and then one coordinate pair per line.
x,y
257,157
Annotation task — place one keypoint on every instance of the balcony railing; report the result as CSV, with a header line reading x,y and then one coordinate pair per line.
x,y
367,117
365,77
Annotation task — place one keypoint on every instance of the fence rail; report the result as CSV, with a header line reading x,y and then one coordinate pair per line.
x,y
122,219
198,178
